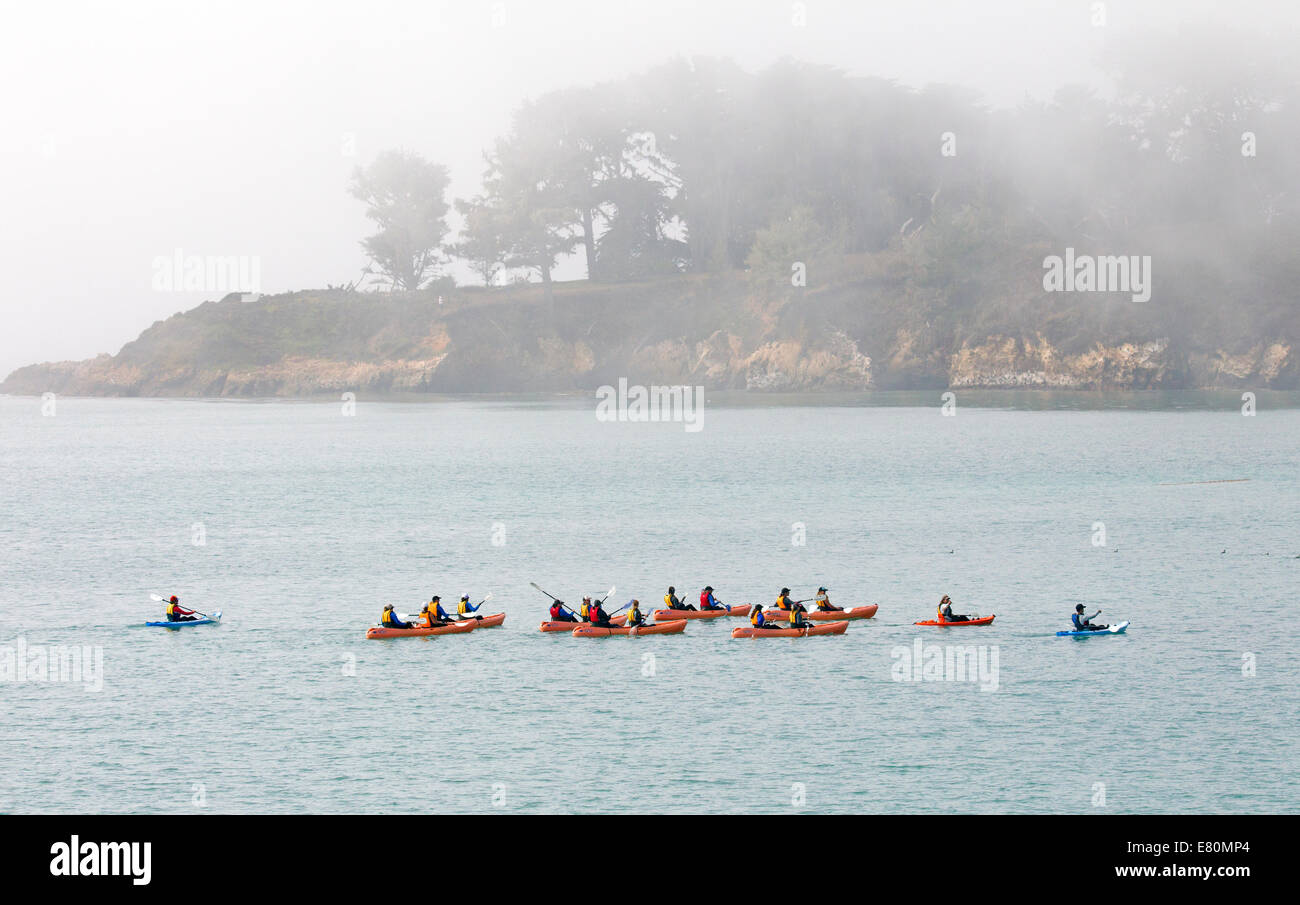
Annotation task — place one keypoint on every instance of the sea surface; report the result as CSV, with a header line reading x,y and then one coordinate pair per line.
x,y
299,522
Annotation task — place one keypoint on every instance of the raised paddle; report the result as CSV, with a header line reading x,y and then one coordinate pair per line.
x,y
547,593
158,599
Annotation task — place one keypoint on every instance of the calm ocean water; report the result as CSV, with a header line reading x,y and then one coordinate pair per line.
x,y
311,521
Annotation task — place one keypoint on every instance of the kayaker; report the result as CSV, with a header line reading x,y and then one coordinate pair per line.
x,y
757,619
1084,623
585,610
824,603
708,601
597,616
783,601
178,613
634,614
796,616
560,613
389,619
466,608
672,601
946,614
433,613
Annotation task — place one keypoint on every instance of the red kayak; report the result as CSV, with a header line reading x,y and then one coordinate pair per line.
x,y
674,615
570,626
983,620
825,628
460,628
599,631
857,612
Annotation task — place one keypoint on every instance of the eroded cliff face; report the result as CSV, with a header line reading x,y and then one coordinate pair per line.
x,y
713,332
1003,361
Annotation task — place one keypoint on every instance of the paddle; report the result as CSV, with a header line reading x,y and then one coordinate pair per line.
x,y
157,599
547,593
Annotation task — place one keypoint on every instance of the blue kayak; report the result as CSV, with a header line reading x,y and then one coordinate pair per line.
x,y
1113,630
214,619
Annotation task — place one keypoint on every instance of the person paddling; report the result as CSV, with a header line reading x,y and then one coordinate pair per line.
x,y
1084,623
433,614
596,615
783,601
946,614
466,608
560,613
758,620
708,601
824,603
673,602
178,613
796,616
390,620
634,614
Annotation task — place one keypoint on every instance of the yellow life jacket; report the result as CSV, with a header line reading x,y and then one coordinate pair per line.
x,y
386,619
463,609
585,610
171,609
794,617
633,615
754,616
939,614
783,602
668,601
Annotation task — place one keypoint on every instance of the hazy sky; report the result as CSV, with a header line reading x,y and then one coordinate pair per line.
x,y
132,129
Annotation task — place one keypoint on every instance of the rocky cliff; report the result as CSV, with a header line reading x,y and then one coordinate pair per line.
x,y
862,331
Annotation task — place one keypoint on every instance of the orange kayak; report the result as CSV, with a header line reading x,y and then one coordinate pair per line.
x,y
825,628
570,626
856,612
982,621
378,631
674,615
675,627
486,621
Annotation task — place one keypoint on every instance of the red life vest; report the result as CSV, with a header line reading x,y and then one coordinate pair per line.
x,y
556,612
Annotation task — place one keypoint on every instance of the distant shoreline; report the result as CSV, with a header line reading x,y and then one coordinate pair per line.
x,y
1227,400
